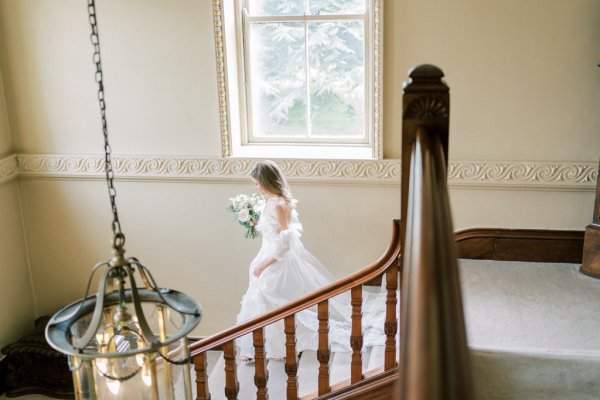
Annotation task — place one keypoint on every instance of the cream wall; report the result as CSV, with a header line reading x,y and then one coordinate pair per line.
x,y
523,85
17,306
523,77
17,303
185,236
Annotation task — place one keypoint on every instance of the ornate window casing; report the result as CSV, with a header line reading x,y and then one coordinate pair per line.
x,y
243,136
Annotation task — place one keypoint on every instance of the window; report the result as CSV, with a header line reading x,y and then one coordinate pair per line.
x,y
299,78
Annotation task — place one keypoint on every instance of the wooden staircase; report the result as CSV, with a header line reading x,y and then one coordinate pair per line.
x,y
428,357
312,370
434,361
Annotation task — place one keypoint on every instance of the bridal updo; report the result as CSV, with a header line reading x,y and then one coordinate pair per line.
x,y
270,177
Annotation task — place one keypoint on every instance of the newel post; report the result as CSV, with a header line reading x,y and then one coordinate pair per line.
x,y
426,103
590,263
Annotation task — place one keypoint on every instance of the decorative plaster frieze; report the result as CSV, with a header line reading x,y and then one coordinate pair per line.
x,y
51,165
148,167
551,175
484,174
9,168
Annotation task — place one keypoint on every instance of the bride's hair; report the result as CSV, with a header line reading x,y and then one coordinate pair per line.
x,y
268,174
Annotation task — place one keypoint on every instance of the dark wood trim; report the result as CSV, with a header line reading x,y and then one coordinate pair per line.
x,y
534,245
591,247
3,373
32,366
377,386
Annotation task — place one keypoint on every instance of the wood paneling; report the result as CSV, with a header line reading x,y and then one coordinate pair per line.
x,y
591,248
534,245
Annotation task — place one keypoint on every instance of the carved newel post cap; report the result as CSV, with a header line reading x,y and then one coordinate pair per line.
x,y
426,71
425,77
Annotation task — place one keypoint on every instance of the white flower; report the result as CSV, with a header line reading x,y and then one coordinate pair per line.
x,y
244,215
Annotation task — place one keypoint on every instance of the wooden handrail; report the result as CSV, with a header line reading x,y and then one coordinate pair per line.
x,y
388,259
434,358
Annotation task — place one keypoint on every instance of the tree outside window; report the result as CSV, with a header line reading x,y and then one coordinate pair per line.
x,y
305,72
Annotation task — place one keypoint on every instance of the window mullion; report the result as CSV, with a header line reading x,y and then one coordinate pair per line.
x,y
307,78
247,81
298,18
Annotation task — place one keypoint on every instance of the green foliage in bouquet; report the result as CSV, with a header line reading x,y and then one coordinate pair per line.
x,y
246,209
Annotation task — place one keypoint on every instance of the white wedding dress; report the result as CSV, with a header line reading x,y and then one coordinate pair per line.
x,y
297,273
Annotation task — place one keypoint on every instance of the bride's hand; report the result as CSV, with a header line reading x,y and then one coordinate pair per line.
x,y
259,270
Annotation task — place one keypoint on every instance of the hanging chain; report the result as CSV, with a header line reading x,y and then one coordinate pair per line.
x,y
118,237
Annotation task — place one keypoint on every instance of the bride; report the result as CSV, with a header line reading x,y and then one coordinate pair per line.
x,y
283,270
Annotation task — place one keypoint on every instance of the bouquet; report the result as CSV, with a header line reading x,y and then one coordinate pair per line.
x,y
246,210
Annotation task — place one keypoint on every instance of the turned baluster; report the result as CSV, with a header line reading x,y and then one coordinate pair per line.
x,y
356,338
391,318
200,366
232,385
291,361
261,375
323,353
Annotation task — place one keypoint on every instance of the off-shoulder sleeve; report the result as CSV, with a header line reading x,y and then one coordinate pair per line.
x,y
283,240
282,244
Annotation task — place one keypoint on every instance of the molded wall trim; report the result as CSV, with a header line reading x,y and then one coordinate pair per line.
x,y
9,168
529,175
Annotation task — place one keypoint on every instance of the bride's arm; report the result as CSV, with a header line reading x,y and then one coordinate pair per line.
x,y
281,211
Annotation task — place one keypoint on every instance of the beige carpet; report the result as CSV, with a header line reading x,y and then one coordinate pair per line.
x,y
534,330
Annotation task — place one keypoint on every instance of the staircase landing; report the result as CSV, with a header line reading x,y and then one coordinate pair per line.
x,y
534,330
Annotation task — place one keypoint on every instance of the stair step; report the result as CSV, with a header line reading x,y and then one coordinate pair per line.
x,y
277,383
340,367
308,372
376,358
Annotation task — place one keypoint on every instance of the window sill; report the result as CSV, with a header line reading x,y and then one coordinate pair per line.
x,y
304,152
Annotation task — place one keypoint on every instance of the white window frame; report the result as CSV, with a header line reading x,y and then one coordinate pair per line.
x,y
234,98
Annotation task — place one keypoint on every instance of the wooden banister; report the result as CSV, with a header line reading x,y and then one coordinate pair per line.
x,y
200,366
391,318
291,359
388,259
232,386
590,264
261,375
356,336
323,353
434,358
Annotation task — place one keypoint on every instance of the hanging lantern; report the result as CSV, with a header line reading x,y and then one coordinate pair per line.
x,y
128,341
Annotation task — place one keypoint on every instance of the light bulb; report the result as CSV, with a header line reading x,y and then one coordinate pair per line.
x,y
114,386
100,339
146,376
102,365
139,359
